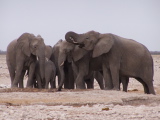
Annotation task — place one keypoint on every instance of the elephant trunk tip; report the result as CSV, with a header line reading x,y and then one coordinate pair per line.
x,y
71,37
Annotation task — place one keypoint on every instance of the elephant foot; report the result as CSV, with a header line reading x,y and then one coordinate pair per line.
x,y
124,90
107,88
59,88
29,87
102,88
115,88
14,86
80,87
153,92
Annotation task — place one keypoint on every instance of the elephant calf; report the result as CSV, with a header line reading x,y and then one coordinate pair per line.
x,y
50,74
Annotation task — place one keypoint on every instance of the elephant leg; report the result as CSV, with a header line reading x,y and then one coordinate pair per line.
x,y
39,82
66,81
71,77
90,80
46,84
99,77
66,76
59,78
47,81
19,69
12,74
52,81
80,84
148,85
35,83
125,81
54,84
107,79
90,83
115,76
21,79
62,78
31,75
146,90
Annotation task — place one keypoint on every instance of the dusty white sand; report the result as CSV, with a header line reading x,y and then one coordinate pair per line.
x,y
33,104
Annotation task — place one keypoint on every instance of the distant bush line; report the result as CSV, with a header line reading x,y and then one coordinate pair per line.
x,y
2,52
152,52
155,52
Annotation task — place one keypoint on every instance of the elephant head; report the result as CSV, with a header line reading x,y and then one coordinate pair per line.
x,y
48,52
65,49
68,53
29,45
99,43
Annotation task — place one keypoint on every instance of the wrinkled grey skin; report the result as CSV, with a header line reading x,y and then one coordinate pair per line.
x,y
78,58
124,80
21,56
54,58
48,55
119,57
48,52
50,74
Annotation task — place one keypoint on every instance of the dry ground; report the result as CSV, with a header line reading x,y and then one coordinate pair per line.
x,y
94,104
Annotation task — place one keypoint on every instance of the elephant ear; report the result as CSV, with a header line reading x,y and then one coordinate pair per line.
x,y
103,46
78,53
24,43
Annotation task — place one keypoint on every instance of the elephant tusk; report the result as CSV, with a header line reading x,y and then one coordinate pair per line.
x,y
47,59
73,40
62,63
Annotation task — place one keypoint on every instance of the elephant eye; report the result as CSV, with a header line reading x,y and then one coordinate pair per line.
x,y
35,47
87,37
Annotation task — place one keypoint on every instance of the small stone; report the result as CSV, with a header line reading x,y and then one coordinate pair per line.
x,y
106,109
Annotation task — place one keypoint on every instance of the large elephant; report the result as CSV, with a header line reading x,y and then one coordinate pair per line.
x,y
67,68
119,56
22,55
77,57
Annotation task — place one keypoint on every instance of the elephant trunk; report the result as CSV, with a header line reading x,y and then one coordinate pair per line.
x,y
71,37
61,61
42,68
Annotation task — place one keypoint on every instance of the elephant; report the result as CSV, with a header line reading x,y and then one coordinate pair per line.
x,y
77,59
48,55
50,74
68,72
118,57
22,55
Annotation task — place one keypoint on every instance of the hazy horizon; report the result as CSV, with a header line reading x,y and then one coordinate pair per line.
x,y
134,19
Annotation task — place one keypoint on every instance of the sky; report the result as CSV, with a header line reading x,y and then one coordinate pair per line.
x,y
52,19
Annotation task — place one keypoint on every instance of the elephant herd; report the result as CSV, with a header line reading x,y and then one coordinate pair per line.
x,y
78,60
